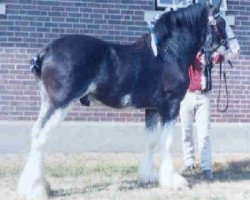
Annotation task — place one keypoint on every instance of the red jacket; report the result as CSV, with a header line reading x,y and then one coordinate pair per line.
x,y
195,72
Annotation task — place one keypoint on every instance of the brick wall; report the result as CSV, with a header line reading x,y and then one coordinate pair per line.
x,y
31,24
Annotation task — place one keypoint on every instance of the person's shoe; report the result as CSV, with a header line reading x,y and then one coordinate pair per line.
x,y
188,170
208,175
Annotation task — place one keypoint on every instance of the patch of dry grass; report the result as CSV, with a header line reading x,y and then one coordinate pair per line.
x,y
108,170
114,177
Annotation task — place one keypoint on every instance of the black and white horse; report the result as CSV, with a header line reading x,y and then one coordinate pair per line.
x,y
82,67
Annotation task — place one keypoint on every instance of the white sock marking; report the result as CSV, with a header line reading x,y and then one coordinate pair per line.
x,y
148,172
32,182
168,177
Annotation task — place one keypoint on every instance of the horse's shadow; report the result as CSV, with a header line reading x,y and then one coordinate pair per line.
x,y
135,184
234,171
75,191
122,186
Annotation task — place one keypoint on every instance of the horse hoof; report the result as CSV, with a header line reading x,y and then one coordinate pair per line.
x,y
179,182
148,175
38,191
173,180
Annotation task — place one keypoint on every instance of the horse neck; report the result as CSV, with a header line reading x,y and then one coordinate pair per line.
x,y
183,47
183,31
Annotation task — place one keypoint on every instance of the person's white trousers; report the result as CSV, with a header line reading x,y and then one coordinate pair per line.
x,y
198,105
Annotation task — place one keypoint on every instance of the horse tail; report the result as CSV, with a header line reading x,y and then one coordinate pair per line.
x,y
37,61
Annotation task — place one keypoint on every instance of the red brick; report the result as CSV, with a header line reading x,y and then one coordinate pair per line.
x,y
25,29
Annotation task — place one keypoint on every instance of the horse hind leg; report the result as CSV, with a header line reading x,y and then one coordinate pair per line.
x,y
32,183
147,171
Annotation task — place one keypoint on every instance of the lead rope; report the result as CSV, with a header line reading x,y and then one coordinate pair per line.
x,y
219,95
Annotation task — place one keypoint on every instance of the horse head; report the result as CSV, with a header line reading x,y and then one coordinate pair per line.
x,y
221,37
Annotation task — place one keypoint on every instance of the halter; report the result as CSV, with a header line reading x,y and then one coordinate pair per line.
x,y
209,50
223,42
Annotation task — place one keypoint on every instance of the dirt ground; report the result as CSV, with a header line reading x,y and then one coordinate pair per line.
x,y
96,176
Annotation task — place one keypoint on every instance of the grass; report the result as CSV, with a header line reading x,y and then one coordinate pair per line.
x,y
81,170
114,177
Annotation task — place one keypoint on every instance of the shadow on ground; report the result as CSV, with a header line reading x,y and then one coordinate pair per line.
x,y
135,184
77,191
235,171
121,186
230,172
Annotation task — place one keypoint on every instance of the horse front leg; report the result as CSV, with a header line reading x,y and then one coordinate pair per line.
x,y
147,171
168,177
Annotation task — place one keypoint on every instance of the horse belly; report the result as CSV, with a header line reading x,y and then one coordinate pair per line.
x,y
115,100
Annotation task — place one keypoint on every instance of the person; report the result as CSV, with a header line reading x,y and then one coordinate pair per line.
x,y
196,104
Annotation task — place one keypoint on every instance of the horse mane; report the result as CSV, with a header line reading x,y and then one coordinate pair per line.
x,y
193,17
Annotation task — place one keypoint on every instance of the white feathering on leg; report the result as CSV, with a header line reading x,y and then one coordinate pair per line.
x,y
148,172
168,177
32,184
